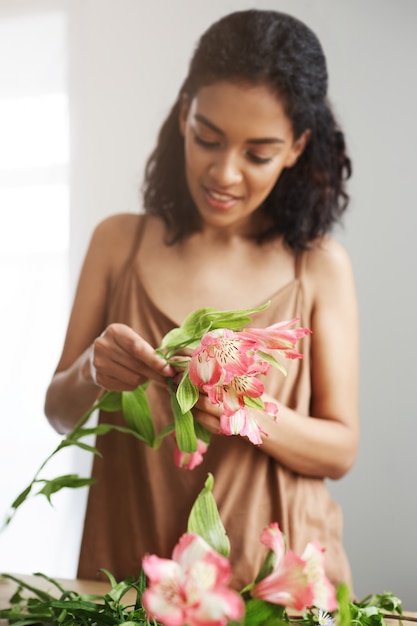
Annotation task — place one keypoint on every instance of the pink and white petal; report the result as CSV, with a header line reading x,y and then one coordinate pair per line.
x,y
232,424
203,370
157,605
218,607
273,538
232,400
247,386
241,423
278,336
288,585
157,569
189,549
272,409
324,591
190,460
252,429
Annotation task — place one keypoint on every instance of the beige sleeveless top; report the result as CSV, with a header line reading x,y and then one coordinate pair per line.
x,y
141,500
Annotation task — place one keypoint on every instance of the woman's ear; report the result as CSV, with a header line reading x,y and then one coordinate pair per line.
x,y
298,148
183,111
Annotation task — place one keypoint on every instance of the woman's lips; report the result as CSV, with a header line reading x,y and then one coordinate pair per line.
x,y
220,200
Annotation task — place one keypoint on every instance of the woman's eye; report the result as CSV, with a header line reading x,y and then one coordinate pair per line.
x,y
206,144
258,159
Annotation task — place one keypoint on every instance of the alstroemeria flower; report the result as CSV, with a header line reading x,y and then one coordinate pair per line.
x,y
323,590
232,396
296,582
236,418
191,588
190,460
243,423
221,355
278,337
288,584
227,364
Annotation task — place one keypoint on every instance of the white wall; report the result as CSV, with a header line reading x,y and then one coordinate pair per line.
x,y
127,60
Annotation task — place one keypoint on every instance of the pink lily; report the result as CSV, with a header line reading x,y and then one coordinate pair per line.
x,y
280,337
288,584
192,587
221,355
323,591
232,395
296,582
242,423
190,460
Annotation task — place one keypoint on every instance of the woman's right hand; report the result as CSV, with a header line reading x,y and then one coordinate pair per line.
x,y
120,360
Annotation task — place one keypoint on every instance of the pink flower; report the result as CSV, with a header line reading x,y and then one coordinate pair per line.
x,y
221,355
278,337
296,582
242,423
232,396
190,460
237,419
227,364
288,584
192,587
323,591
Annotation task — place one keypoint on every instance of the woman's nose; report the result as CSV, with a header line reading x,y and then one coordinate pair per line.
x,y
225,169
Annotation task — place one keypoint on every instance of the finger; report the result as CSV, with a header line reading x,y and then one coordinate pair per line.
x,y
209,421
138,348
121,345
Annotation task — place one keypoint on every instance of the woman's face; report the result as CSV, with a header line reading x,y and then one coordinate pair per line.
x,y
238,140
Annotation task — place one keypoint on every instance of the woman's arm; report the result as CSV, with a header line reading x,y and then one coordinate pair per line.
x,y
325,444
122,359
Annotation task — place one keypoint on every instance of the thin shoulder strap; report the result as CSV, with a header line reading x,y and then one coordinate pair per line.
x,y
300,261
137,240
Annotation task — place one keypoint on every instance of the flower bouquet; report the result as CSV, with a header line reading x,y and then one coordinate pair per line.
x,y
214,353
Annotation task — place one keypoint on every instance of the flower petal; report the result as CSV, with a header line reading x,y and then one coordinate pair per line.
x,y
324,592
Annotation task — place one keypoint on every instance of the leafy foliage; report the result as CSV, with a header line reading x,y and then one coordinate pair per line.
x,y
32,606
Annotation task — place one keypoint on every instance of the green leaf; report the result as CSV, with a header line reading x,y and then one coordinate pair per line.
x,y
202,432
343,600
254,403
184,427
204,520
261,612
185,333
273,361
22,497
201,321
56,484
86,447
167,430
267,566
110,401
137,414
232,319
187,393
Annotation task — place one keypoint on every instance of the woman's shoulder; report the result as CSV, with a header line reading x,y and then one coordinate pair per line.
x,y
113,239
118,227
327,265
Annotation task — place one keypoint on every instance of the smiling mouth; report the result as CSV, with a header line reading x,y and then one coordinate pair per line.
x,y
219,200
221,197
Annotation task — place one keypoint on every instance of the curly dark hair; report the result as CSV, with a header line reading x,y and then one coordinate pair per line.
x,y
274,49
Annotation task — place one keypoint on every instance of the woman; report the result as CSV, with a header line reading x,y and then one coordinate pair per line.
x,y
245,183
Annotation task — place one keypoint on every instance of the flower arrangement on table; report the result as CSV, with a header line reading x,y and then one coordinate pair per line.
x,y
225,361
192,588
